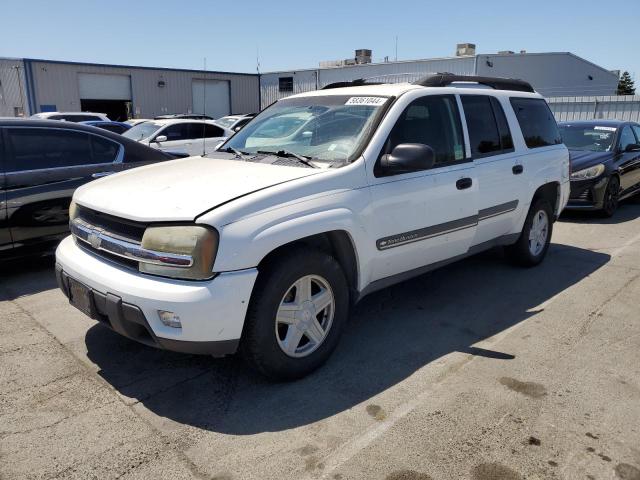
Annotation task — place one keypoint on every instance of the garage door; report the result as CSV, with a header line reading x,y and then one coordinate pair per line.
x,y
96,86
211,97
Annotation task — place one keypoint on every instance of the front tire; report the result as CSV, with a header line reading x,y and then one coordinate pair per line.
x,y
611,195
533,243
296,314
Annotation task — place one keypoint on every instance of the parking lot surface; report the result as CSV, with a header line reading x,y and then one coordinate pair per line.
x,y
476,371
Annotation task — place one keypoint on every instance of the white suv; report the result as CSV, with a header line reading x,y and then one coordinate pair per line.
x,y
320,200
71,116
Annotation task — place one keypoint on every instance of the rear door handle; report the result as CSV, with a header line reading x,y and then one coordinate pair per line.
x,y
464,183
101,174
517,169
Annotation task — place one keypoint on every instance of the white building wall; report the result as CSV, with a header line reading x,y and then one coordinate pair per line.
x,y
393,72
12,88
551,74
57,84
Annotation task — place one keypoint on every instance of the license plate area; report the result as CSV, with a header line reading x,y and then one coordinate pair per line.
x,y
80,297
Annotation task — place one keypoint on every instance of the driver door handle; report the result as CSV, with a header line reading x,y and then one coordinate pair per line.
x,y
517,169
464,183
101,174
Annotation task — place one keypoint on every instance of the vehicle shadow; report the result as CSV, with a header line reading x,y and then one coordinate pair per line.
x,y
628,210
392,334
27,276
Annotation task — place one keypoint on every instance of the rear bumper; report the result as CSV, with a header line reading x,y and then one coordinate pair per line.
x,y
212,312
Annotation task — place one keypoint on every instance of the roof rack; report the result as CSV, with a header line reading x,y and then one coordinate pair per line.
x,y
498,83
353,83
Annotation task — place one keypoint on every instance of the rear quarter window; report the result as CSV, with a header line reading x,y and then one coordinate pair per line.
x,y
537,123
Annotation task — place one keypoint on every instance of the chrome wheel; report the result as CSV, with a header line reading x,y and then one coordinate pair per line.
x,y
538,233
305,316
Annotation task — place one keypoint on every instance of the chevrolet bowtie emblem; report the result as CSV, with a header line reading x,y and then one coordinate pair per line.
x,y
94,239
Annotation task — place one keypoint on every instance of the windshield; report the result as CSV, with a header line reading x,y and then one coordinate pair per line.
x,y
592,138
142,131
330,128
226,122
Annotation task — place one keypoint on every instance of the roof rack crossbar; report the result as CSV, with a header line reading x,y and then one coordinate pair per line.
x,y
353,83
498,83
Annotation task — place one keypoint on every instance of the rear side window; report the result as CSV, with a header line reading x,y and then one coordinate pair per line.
x,y
435,121
200,130
481,123
537,123
636,130
39,148
179,131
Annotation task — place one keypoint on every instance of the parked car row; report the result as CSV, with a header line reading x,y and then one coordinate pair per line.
x,y
301,210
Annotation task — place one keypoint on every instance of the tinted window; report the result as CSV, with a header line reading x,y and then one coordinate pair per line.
x,y
433,121
209,131
104,151
503,126
626,137
37,148
636,130
537,123
179,131
481,123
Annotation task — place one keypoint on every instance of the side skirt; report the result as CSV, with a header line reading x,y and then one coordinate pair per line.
x,y
401,277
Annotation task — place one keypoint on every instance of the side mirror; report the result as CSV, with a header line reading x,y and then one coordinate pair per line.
x,y
160,139
408,157
632,147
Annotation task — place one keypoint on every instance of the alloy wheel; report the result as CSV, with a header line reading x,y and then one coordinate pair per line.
x,y
305,316
538,233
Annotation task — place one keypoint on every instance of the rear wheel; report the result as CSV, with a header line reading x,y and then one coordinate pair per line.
x,y
533,243
611,197
295,318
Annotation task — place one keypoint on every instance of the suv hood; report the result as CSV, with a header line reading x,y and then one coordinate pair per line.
x,y
581,159
180,190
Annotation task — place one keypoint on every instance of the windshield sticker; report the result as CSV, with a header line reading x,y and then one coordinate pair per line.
x,y
373,101
458,152
608,129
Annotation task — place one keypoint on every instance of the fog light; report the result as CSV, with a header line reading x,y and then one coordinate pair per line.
x,y
170,319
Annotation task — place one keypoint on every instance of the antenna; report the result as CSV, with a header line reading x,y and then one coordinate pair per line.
x,y
257,60
204,109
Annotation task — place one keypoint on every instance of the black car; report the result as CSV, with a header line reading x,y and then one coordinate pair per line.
x,y
41,164
605,163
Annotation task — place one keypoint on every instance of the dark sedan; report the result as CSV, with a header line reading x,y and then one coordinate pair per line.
x,y
41,164
605,163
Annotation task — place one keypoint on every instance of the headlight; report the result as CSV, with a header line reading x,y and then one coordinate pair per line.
x,y
199,244
588,173
73,210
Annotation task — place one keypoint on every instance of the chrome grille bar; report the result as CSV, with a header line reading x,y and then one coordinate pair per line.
x,y
99,239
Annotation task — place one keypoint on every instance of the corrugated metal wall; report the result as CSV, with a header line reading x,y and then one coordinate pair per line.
x,y
307,80
12,88
618,107
551,74
57,84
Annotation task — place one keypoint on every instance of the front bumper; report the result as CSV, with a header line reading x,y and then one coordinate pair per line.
x,y
587,194
212,312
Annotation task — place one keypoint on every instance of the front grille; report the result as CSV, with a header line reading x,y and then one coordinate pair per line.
x,y
584,196
116,227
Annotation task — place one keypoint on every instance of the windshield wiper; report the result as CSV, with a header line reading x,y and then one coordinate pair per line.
x,y
287,154
239,154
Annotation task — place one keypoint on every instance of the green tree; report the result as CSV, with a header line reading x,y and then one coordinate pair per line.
x,y
626,85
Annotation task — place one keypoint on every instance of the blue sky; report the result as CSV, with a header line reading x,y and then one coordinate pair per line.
x,y
298,34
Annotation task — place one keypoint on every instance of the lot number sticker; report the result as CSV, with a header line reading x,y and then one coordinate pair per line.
x,y
608,129
372,101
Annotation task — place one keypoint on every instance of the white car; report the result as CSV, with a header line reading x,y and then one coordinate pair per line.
x,y
190,137
135,121
263,246
234,122
71,116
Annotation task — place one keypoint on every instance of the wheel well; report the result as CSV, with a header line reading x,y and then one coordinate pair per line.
x,y
549,192
336,243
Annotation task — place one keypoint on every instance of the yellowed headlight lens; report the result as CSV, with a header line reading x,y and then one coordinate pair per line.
x,y
201,243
